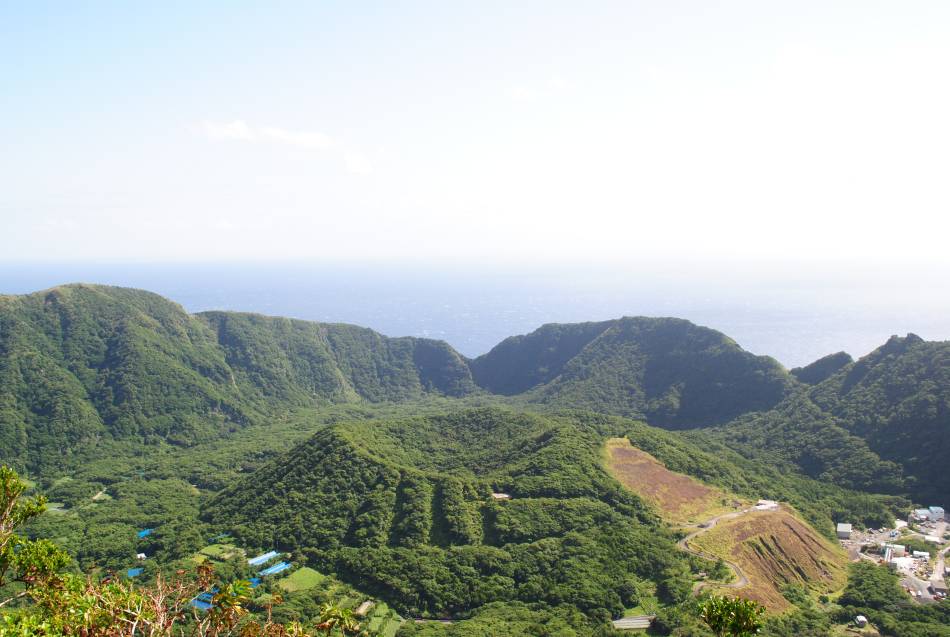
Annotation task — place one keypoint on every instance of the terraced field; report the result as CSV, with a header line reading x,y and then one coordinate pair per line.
x,y
774,549
680,499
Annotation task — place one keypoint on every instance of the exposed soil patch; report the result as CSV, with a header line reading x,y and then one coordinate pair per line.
x,y
775,549
679,497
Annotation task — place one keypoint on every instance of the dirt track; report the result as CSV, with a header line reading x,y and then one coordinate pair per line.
x,y
741,580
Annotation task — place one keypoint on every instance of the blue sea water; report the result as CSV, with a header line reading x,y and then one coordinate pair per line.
x,y
793,313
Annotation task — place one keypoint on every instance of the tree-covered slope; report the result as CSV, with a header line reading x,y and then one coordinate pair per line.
x,y
897,399
821,369
404,507
881,423
667,371
80,364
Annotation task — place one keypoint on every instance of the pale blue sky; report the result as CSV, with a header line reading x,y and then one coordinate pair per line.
x,y
478,130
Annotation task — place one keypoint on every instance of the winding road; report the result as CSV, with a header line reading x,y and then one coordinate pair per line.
x,y
741,579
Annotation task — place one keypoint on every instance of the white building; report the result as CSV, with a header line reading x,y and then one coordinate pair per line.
x,y
861,621
898,550
766,505
844,531
937,514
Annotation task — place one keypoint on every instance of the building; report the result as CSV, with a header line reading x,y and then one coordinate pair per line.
x,y
939,587
937,514
861,621
844,531
501,496
933,539
766,505
921,555
922,514
897,550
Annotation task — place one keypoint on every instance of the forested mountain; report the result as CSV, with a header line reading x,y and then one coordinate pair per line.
x,y
404,506
82,363
879,423
667,371
821,369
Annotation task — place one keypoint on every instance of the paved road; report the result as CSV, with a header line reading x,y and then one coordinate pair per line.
x,y
939,566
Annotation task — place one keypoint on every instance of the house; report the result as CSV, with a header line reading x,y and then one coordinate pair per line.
x,y
937,514
140,556
939,587
844,531
501,496
922,514
933,539
921,555
860,621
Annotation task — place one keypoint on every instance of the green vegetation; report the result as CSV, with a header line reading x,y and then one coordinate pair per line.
x,y
728,617
666,371
303,579
873,591
373,460
403,507
877,424
81,365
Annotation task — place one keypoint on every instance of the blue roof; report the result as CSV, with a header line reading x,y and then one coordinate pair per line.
x,y
145,532
262,559
200,605
255,582
276,568
132,572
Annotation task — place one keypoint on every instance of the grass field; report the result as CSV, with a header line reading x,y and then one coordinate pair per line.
x,y
680,499
775,549
220,551
301,580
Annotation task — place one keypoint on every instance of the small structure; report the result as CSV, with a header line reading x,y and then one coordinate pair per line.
x,y
275,569
937,514
145,533
140,556
363,609
501,496
899,550
933,539
263,559
766,505
921,555
134,572
939,587
844,531
860,621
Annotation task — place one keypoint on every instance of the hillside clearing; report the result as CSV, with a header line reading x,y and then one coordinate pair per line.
x,y
775,549
301,580
680,499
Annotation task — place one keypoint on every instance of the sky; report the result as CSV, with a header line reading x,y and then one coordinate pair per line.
x,y
486,131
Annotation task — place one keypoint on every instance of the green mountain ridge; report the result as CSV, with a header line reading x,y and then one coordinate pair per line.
x,y
82,365
880,423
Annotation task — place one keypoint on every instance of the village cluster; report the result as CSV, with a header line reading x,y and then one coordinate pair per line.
x,y
916,549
